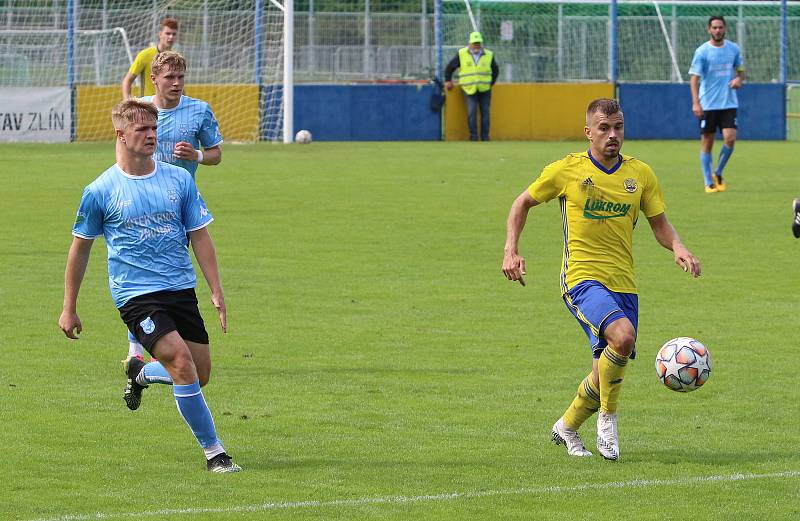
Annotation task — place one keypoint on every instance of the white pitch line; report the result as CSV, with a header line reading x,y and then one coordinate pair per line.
x,y
448,496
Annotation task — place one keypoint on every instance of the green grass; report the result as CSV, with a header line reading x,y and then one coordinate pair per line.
x,y
375,350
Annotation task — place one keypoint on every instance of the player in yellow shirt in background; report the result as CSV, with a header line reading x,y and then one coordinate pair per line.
x,y
167,36
601,193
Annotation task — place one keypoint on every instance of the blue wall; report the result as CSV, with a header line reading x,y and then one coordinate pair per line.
x,y
366,112
403,113
664,111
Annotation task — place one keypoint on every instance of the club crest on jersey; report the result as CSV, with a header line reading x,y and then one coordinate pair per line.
x,y
184,129
173,195
630,185
148,326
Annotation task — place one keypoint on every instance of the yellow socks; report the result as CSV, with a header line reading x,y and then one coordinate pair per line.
x,y
584,405
611,368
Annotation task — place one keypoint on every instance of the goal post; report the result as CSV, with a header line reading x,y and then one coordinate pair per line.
x,y
288,71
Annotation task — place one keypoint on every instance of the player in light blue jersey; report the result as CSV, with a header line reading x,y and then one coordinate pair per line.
x,y
184,126
144,209
717,71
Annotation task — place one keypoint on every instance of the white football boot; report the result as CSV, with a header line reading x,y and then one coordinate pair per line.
x,y
569,438
607,436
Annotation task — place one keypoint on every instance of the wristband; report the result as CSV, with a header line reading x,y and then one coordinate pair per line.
x,y
199,155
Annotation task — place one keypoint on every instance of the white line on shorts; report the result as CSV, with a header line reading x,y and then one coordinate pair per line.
x,y
448,496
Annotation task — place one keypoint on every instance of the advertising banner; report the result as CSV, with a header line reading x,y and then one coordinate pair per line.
x,y
35,114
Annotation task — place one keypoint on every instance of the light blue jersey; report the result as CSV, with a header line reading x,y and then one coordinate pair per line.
x,y
717,66
144,220
191,121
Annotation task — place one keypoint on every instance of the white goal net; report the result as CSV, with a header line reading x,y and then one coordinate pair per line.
x,y
234,51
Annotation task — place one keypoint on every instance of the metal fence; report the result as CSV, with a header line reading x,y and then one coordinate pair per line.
x,y
355,40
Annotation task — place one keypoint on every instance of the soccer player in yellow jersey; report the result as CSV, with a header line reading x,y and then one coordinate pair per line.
x,y
601,194
167,36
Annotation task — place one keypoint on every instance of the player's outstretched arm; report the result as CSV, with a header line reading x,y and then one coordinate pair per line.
x,y
513,262
667,237
206,257
77,260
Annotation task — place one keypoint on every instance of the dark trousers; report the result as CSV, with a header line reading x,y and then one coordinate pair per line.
x,y
484,101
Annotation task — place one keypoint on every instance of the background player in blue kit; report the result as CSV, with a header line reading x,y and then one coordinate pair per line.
x,y
184,126
717,71
144,209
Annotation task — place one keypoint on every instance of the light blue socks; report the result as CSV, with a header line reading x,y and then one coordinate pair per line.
x,y
192,406
724,155
154,373
705,163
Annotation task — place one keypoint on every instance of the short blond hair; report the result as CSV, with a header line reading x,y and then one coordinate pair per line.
x,y
130,111
167,60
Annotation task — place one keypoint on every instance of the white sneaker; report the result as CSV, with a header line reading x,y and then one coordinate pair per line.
x,y
569,438
607,436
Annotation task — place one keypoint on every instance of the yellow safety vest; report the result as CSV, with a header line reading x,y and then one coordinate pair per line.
x,y
474,78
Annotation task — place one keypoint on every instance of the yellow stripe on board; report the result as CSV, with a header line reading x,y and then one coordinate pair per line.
x,y
529,111
235,106
93,116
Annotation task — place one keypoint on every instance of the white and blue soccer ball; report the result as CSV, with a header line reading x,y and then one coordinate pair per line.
x,y
303,137
683,364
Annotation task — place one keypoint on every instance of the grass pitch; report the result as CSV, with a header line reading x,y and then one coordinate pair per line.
x,y
379,366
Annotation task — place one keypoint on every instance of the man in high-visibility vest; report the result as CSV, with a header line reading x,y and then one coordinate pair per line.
x,y
477,72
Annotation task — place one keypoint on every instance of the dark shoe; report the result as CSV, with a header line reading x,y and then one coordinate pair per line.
x,y
719,183
796,222
222,463
133,391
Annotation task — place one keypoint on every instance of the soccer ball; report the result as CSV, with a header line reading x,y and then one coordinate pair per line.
x,y
683,364
302,136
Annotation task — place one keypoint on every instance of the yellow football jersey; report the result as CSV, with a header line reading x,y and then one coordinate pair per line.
x,y
141,68
599,209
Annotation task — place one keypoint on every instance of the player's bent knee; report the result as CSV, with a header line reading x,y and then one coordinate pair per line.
x,y
178,361
624,344
621,335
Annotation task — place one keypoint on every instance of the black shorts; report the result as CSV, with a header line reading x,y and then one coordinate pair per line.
x,y
717,119
149,317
